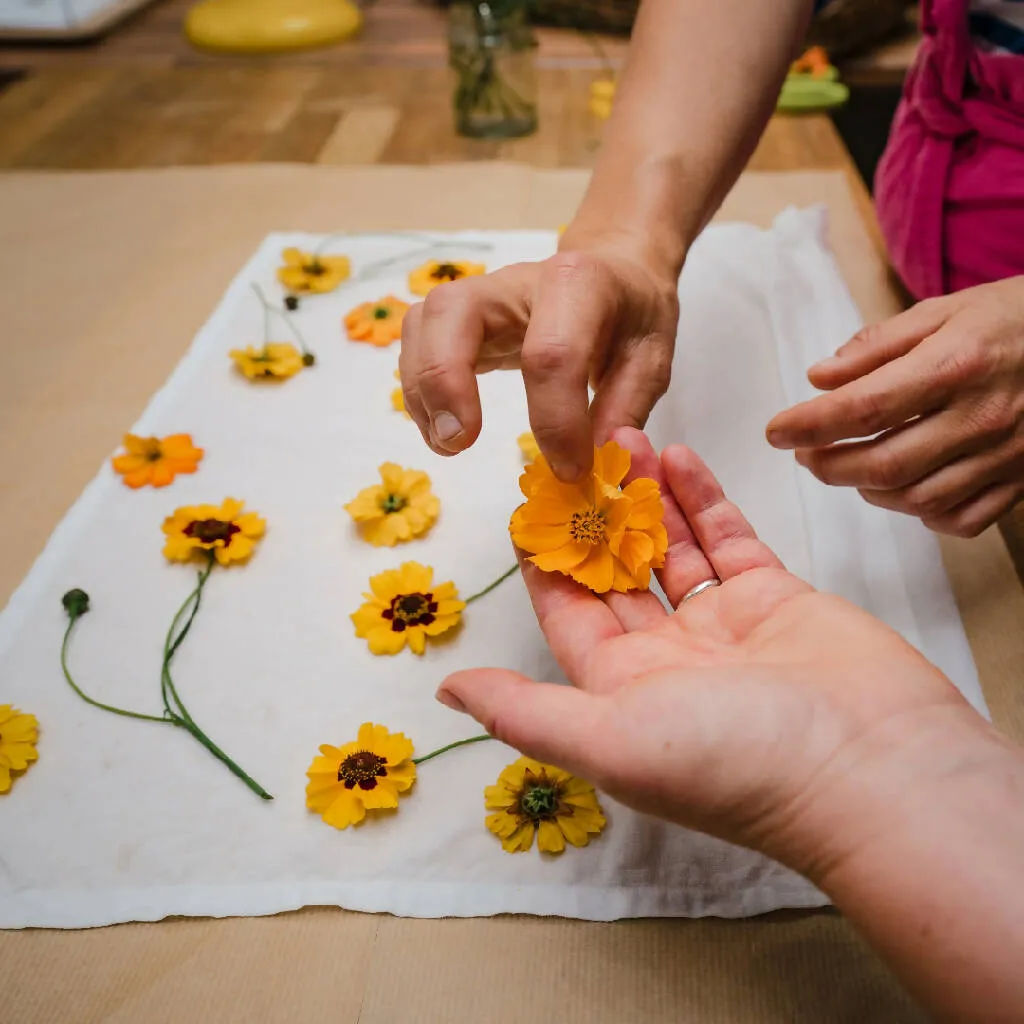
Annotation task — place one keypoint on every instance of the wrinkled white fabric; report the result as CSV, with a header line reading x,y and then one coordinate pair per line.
x,y
122,820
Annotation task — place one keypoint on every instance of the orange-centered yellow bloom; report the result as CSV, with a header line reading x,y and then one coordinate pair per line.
x,y
18,735
531,797
400,507
308,272
156,461
406,607
378,323
425,279
602,536
273,360
366,775
226,530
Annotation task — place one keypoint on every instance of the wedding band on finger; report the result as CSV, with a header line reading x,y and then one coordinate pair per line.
x,y
700,588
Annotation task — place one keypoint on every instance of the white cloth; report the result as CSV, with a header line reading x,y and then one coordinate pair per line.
x,y
122,820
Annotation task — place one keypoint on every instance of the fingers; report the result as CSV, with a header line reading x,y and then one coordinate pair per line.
x,y
976,515
574,620
569,321
913,385
442,339
878,344
556,724
726,538
896,458
686,565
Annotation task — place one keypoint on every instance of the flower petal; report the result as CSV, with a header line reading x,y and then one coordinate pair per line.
x,y
550,838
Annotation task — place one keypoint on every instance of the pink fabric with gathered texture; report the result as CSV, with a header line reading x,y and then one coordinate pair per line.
x,y
949,189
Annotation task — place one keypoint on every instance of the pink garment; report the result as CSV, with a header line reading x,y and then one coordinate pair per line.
x,y
949,189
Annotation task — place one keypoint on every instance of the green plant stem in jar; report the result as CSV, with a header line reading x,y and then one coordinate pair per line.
x,y
491,51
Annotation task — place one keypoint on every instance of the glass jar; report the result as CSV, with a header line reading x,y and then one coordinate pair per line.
x,y
490,50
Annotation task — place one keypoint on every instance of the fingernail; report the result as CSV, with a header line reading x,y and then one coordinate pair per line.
x,y
445,426
449,700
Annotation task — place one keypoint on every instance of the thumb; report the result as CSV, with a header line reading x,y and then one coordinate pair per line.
x,y
878,344
556,724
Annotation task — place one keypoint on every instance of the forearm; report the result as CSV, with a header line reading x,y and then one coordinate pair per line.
x,y
700,82
937,885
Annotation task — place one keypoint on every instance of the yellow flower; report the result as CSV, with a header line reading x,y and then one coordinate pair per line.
x,y
226,531
405,606
399,508
601,536
310,272
156,461
367,775
18,735
528,446
424,279
533,797
602,96
378,323
274,359
398,399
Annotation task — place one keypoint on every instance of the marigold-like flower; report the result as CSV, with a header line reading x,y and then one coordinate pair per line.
x,y
156,461
18,735
366,775
399,508
225,530
425,279
528,446
273,360
601,536
532,797
378,323
309,272
405,606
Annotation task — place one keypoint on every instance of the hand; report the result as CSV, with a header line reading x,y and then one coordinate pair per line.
x,y
598,314
943,387
747,713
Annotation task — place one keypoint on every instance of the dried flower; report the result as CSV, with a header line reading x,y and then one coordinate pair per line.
x,y
532,797
309,272
377,323
18,735
156,461
601,536
424,279
275,360
226,531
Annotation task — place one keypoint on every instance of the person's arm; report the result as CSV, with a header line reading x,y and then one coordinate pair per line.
x,y
700,81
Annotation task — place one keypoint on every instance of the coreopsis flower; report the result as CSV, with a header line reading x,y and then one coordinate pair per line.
x,y
402,506
425,279
225,531
156,460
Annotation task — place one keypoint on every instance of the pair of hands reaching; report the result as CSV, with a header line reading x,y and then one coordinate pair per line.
x,y
932,400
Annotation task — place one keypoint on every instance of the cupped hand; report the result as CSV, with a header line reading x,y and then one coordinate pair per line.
x,y
742,713
598,316
942,387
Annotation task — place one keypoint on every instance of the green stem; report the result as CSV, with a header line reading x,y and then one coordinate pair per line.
x,y
95,703
490,586
190,727
268,311
451,746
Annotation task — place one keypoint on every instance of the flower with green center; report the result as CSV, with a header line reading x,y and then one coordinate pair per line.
x,y
402,506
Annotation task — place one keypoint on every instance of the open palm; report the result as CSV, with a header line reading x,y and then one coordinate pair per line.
x,y
730,713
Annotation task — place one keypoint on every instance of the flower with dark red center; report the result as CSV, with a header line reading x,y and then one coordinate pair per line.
x,y
208,531
424,279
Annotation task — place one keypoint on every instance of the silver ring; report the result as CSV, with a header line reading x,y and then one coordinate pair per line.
x,y
700,588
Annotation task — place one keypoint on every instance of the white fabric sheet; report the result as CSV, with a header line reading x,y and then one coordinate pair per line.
x,y
122,820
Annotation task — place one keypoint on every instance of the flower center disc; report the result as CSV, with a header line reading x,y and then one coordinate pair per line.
x,y
393,503
539,802
446,272
411,610
362,769
315,269
152,451
587,526
209,531
380,313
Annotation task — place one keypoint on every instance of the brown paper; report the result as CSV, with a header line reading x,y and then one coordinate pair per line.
x,y
104,280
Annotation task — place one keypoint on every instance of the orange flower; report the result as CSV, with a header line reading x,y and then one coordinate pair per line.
x,y
601,536
426,278
156,461
378,323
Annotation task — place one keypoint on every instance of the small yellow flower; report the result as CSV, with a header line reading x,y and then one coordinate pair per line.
x,y
18,735
226,531
602,96
602,536
307,272
366,775
399,508
405,606
378,323
424,279
273,360
398,399
155,460
528,446
532,797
